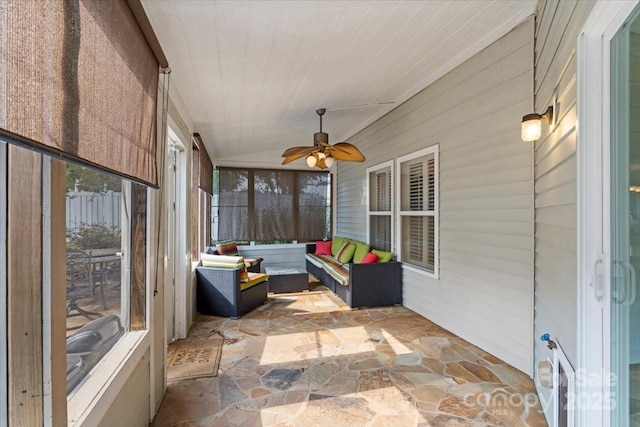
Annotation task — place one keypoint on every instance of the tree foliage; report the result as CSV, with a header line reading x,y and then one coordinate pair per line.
x,y
93,236
92,180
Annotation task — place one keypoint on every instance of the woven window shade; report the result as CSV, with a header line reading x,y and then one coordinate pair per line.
x,y
79,79
272,204
206,167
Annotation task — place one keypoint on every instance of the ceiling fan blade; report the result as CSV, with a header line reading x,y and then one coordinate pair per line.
x,y
299,151
290,159
345,151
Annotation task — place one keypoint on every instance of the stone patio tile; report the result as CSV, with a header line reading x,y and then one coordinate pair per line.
x,y
307,359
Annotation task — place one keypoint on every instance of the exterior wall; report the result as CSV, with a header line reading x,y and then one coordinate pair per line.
x,y
485,290
290,255
556,295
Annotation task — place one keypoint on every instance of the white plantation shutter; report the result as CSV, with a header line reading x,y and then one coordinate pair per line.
x,y
383,191
380,206
418,209
416,186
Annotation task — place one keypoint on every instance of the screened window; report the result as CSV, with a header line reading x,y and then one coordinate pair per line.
x,y
97,297
266,205
418,209
380,205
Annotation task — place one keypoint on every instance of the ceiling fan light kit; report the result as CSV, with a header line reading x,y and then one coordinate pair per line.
x,y
322,154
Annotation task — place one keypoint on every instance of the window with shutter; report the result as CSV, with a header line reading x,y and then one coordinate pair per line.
x,y
380,203
418,209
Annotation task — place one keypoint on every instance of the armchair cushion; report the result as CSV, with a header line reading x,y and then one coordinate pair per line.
x,y
253,279
222,261
227,248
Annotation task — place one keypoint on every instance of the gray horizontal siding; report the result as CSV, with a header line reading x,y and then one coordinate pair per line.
x,y
290,256
556,309
485,290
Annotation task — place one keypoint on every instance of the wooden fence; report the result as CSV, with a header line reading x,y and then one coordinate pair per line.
x,y
84,207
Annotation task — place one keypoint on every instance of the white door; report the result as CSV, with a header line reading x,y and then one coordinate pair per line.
x,y
609,207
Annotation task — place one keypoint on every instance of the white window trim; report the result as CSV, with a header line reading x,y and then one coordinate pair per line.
x,y
389,164
89,402
435,150
4,420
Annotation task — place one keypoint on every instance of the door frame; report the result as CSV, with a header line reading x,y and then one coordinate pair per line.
x,y
182,252
594,222
175,148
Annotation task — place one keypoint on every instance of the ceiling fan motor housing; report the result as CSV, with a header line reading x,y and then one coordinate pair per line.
x,y
320,137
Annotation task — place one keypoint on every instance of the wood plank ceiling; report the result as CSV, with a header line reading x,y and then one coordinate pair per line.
x,y
250,74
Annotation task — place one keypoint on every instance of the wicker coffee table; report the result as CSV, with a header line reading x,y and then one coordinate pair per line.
x,y
284,279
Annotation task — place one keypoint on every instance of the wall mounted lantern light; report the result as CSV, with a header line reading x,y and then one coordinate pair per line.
x,y
532,124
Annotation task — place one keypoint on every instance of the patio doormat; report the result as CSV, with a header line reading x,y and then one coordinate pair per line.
x,y
195,359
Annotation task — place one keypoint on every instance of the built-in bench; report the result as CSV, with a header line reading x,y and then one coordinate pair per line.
x,y
376,284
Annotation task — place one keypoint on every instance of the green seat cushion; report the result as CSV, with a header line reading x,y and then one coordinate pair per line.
x,y
383,256
254,279
361,250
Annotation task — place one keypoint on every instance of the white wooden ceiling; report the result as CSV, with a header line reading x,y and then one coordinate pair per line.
x,y
250,74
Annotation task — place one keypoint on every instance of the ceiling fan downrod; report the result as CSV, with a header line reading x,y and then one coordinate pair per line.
x,y
320,138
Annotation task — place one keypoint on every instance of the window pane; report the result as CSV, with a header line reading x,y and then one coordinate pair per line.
x,y
380,232
233,223
314,206
233,200
418,241
418,184
273,199
380,190
95,307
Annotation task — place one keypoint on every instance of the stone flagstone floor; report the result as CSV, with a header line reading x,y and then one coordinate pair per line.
x,y
307,360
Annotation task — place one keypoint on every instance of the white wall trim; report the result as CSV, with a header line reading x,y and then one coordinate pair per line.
x,y
388,164
3,284
47,317
184,268
89,402
153,221
435,150
593,99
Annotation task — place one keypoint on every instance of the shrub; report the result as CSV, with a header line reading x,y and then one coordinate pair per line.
x,y
93,236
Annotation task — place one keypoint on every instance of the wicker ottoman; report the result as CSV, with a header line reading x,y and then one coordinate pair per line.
x,y
284,279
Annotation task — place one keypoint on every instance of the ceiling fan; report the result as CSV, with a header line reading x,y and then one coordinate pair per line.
x,y
321,153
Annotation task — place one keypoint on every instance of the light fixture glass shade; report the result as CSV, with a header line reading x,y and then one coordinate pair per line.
x,y
531,127
329,161
321,155
311,160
